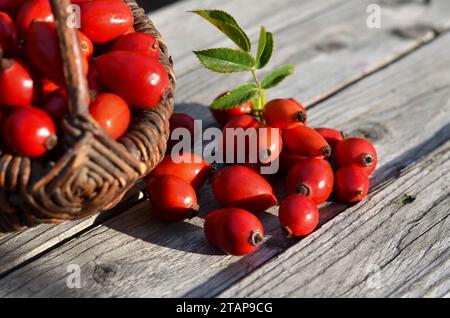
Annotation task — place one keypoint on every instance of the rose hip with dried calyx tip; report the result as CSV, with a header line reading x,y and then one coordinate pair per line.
x,y
241,187
351,184
311,177
358,151
305,141
141,81
332,136
16,84
138,42
284,113
29,132
233,230
298,215
172,198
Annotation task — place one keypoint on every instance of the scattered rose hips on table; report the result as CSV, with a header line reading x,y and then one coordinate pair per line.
x,y
124,75
317,164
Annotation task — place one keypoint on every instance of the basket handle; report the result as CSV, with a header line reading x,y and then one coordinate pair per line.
x,y
77,88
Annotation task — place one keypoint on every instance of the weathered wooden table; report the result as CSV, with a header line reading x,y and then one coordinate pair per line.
x,y
390,84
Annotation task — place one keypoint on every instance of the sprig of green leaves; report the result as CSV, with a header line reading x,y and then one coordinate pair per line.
x,y
226,60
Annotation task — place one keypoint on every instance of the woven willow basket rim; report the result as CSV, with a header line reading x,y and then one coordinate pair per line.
x,y
95,171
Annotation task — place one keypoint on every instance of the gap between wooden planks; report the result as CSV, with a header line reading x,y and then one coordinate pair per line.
x,y
396,244
340,52
404,108
19,248
332,49
31,243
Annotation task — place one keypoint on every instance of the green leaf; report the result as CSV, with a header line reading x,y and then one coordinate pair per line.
x,y
228,25
277,76
236,97
266,54
261,44
224,60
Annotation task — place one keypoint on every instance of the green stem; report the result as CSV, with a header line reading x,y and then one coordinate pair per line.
x,y
259,103
255,77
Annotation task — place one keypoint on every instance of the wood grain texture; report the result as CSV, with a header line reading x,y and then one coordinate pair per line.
x,y
21,247
95,171
136,255
396,244
331,48
194,33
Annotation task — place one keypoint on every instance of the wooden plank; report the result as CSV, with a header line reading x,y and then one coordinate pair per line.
x,y
332,49
194,33
19,248
396,244
136,255
300,18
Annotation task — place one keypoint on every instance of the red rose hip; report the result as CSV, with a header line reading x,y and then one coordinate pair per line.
x,y
29,132
305,141
111,113
188,166
358,151
56,105
172,198
332,136
222,116
11,7
241,187
138,42
16,84
270,144
351,184
298,215
299,104
242,121
181,120
311,177
105,20
8,35
232,144
288,159
42,50
31,11
284,113
235,231
136,78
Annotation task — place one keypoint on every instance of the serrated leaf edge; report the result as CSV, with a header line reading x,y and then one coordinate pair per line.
x,y
259,65
224,72
235,26
240,102
265,85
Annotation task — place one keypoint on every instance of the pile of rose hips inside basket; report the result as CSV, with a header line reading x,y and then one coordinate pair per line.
x,y
315,162
121,66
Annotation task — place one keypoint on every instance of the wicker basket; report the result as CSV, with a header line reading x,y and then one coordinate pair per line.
x,y
95,171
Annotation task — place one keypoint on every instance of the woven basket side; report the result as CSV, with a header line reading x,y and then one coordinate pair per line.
x,y
95,171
